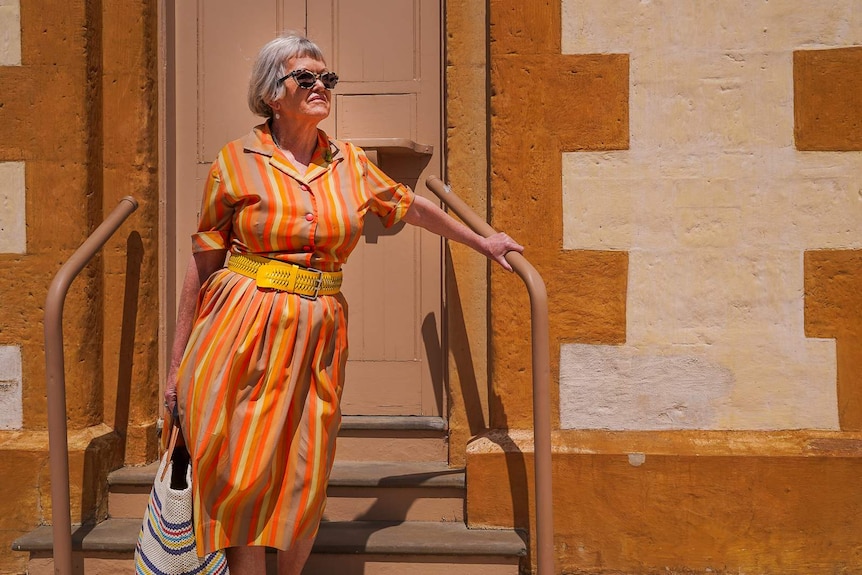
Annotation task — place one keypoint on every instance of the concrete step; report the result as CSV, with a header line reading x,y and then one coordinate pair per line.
x,y
364,491
392,438
347,548
388,491
413,547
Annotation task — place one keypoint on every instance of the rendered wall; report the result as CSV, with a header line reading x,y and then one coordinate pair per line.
x,y
685,176
716,205
78,131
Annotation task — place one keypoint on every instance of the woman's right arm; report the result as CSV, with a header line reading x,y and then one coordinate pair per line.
x,y
201,266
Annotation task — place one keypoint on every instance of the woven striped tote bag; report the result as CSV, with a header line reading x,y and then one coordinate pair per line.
x,y
166,542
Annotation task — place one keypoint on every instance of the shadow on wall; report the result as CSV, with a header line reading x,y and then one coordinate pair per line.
x,y
476,418
459,348
125,366
107,452
434,348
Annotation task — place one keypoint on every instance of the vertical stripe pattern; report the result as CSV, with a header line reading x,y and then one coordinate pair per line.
x,y
260,382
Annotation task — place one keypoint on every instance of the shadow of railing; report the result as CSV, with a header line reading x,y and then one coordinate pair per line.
x,y
126,364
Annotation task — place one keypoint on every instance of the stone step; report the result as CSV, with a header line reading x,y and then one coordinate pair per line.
x,y
392,438
388,491
367,547
367,491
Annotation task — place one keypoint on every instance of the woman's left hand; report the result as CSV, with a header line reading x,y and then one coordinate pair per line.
x,y
497,246
428,215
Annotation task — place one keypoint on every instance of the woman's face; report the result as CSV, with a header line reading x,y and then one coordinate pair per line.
x,y
301,104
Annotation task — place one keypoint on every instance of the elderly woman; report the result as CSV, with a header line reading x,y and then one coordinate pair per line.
x,y
261,341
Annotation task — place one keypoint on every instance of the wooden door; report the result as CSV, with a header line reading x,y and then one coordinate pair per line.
x,y
387,54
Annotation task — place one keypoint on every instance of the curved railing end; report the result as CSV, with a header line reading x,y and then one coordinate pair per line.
x,y
539,320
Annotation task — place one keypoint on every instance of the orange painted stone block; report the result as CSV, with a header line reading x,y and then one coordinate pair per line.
x,y
20,476
56,33
30,97
81,113
833,300
545,105
25,483
682,502
827,92
525,27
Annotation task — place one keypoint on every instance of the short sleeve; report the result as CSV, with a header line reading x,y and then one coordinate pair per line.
x,y
214,226
390,200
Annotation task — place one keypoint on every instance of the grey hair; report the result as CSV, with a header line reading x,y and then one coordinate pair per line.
x,y
269,67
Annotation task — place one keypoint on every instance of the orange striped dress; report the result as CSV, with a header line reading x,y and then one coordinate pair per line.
x,y
260,382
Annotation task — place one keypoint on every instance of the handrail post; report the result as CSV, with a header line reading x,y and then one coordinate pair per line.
x,y
541,376
58,448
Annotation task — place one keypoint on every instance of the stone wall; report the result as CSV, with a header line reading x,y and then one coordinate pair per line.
x,y
685,177
661,147
716,200
78,110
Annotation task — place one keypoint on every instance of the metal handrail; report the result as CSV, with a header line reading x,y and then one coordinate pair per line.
x,y
58,449
541,375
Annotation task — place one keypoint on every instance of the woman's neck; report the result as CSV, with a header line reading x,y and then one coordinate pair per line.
x,y
297,142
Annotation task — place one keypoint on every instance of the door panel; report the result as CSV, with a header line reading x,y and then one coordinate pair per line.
x,y
380,49
376,116
376,41
231,35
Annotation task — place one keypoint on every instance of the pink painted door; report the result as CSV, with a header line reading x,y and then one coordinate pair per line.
x,y
387,54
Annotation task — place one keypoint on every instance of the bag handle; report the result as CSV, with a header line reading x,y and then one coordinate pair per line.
x,y
172,441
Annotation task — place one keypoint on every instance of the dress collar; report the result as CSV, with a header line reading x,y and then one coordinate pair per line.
x,y
260,141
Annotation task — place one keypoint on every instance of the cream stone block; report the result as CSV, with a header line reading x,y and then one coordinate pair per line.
x,y
13,227
11,406
621,388
791,385
600,26
813,202
716,208
601,210
692,387
10,33
708,226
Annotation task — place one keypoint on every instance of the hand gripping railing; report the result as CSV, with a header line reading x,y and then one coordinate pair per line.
x,y
58,449
541,375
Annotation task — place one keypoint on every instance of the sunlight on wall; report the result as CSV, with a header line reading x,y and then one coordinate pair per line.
x,y
715,206
13,229
10,33
11,414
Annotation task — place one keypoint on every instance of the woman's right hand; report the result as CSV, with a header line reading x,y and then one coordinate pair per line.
x,y
170,405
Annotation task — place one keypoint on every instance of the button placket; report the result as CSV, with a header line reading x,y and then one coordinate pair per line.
x,y
311,218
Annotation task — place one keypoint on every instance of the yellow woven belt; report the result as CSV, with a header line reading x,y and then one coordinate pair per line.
x,y
305,282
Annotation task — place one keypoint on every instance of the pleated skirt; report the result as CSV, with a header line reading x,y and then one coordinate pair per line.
x,y
259,392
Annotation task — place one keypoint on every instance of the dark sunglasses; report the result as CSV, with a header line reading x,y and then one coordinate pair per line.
x,y
306,79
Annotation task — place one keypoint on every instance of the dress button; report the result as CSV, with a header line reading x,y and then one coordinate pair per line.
x,y
306,248
304,187
309,217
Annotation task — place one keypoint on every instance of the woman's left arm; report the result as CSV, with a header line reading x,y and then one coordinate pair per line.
x,y
426,214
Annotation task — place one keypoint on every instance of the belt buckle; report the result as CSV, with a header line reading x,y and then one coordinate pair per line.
x,y
318,282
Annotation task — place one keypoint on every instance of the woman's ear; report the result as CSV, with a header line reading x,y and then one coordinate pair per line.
x,y
275,107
